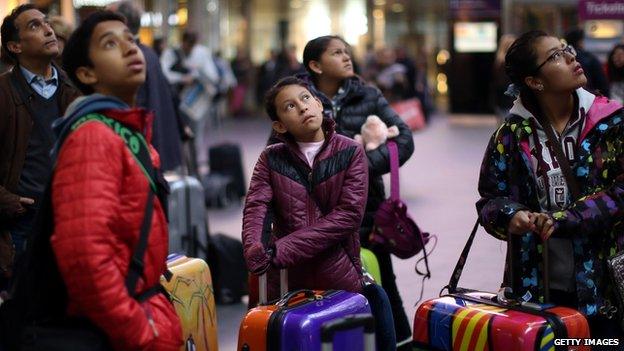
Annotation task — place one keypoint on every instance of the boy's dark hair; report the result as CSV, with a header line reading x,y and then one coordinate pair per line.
x,y
521,58
269,98
315,48
76,52
614,73
9,32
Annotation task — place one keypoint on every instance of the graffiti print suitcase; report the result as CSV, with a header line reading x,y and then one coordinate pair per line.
x,y
294,322
476,321
191,292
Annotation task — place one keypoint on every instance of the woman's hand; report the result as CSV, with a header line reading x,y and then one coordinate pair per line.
x,y
522,222
545,225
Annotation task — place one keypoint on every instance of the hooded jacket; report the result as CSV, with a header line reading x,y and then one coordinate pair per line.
x,y
593,223
354,102
314,212
98,195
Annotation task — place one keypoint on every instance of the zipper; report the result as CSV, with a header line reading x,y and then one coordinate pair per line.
x,y
150,318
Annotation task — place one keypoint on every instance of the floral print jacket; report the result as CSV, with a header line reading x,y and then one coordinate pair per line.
x,y
593,222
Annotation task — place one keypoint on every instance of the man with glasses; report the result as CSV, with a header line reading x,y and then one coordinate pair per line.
x,y
596,78
32,95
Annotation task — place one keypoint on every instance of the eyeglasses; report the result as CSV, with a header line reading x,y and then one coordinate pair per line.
x,y
557,56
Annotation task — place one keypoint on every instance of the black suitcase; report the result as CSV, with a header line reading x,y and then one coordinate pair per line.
x,y
219,190
230,278
226,159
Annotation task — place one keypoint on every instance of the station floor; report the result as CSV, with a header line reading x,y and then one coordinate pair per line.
x,y
439,185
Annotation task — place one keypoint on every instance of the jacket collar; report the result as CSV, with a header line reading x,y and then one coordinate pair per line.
x,y
595,108
328,128
18,77
136,118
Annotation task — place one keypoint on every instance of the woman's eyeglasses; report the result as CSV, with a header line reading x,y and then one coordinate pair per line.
x,y
557,56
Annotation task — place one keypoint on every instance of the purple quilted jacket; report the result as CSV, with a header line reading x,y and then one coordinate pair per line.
x,y
313,214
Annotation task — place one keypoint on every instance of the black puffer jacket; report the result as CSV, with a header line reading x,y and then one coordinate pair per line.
x,y
355,101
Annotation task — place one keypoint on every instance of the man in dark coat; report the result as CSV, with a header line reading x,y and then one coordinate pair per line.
x,y
32,95
155,95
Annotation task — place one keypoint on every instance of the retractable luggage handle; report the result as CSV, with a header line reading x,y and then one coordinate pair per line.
x,y
329,329
262,291
262,280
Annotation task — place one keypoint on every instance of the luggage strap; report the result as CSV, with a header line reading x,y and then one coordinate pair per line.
x,y
137,145
556,324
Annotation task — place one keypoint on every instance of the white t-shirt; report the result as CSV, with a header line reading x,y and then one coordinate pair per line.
x,y
310,150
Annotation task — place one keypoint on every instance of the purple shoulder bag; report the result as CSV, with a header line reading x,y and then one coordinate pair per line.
x,y
394,229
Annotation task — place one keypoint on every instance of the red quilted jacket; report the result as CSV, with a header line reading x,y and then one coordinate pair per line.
x,y
99,195
316,214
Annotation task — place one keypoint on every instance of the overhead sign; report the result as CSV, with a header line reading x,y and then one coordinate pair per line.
x,y
92,3
601,9
475,36
474,9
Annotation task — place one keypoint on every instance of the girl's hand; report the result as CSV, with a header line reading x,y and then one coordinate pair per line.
x,y
545,225
522,222
258,259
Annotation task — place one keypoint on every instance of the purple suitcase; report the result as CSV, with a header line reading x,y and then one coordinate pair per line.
x,y
297,326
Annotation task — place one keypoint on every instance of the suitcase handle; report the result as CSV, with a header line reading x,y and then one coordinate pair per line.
x,y
308,294
262,288
329,329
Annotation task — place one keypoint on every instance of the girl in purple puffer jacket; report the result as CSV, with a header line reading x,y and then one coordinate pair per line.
x,y
309,192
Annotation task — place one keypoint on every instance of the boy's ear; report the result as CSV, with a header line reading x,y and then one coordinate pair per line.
x,y
86,75
279,127
315,66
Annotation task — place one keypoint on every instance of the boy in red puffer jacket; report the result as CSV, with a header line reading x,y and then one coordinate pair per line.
x,y
104,193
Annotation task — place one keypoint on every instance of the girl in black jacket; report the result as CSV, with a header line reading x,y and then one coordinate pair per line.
x,y
349,100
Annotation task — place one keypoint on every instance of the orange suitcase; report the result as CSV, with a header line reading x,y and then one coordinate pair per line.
x,y
191,292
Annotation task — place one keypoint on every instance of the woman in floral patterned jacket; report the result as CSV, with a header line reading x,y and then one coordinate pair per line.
x,y
525,193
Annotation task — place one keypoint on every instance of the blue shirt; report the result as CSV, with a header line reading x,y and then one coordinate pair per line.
x,y
44,87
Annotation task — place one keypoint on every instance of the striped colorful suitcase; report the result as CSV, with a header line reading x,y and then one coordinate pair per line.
x,y
191,292
474,321
294,322
468,320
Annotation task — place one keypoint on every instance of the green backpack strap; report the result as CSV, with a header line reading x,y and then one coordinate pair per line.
x,y
134,140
